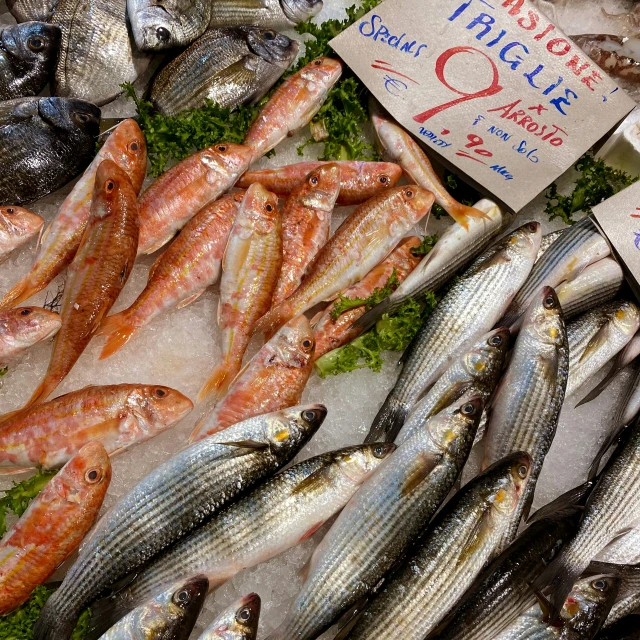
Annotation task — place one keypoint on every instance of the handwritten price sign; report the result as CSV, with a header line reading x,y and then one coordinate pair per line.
x,y
491,85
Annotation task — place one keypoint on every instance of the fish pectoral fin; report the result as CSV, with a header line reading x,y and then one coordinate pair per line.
x,y
424,465
11,471
247,444
241,73
154,266
313,482
497,259
304,570
190,299
474,539
600,338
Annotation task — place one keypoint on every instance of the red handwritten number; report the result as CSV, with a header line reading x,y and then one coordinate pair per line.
x,y
474,141
441,63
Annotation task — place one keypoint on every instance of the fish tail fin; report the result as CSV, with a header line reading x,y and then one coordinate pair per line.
x,y
119,330
45,388
274,319
388,421
20,292
218,382
462,213
53,624
369,319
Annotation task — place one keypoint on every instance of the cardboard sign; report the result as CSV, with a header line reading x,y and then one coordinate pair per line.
x,y
491,85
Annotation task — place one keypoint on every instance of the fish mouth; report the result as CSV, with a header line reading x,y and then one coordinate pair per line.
x,y
300,10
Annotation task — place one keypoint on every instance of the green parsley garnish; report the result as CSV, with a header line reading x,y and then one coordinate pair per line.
x,y
3,371
343,304
428,242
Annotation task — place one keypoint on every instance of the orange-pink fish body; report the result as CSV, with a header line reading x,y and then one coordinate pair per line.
x,y
359,180
53,526
250,270
98,273
22,328
363,240
331,334
306,224
117,416
181,274
17,226
126,147
273,379
179,193
292,105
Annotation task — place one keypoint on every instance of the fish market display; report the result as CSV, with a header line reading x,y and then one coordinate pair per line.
x,y
22,328
365,238
359,181
458,544
28,10
117,416
273,379
596,337
27,58
330,332
238,622
276,516
470,308
44,143
455,249
126,147
229,66
171,501
525,410
382,519
181,274
17,227
53,525
306,223
166,24
172,200
98,272
96,53
170,615
292,105
268,14
251,267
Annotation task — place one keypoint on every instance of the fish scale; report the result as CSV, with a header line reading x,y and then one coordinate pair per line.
x,y
273,14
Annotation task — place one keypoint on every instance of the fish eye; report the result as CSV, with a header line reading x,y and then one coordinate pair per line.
x,y
468,409
600,585
221,148
269,35
496,341
549,302
10,210
25,312
384,179
244,615
522,471
161,393
318,62
134,146
310,415
380,450
408,193
269,208
313,180
182,597
92,476
307,344
163,34
109,186
36,43
532,226
81,118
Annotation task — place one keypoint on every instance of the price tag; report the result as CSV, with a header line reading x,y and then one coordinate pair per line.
x,y
491,85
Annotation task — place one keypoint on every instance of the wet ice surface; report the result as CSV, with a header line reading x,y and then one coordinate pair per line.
x,y
179,349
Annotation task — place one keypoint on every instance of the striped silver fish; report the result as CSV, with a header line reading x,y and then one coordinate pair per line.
x,y
596,337
279,514
575,249
237,622
171,501
628,599
381,520
547,240
476,370
454,250
470,308
458,544
625,549
526,407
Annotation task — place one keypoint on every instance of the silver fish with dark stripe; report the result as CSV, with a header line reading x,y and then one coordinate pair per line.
x,y
228,66
268,14
382,519
457,546
469,309
628,599
547,240
526,407
171,501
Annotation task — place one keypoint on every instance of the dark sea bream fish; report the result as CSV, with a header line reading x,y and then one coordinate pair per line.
x,y
44,143
27,10
229,66
28,54
171,501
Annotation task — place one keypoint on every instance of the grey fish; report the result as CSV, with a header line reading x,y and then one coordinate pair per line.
x,y
166,24
503,589
96,55
469,309
171,501
600,282
276,516
626,629
628,598
44,143
612,508
32,10
170,615
267,14
526,407
455,248
575,249
476,370
28,54
382,519
237,622
229,66
547,240
458,544
580,619
596,337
